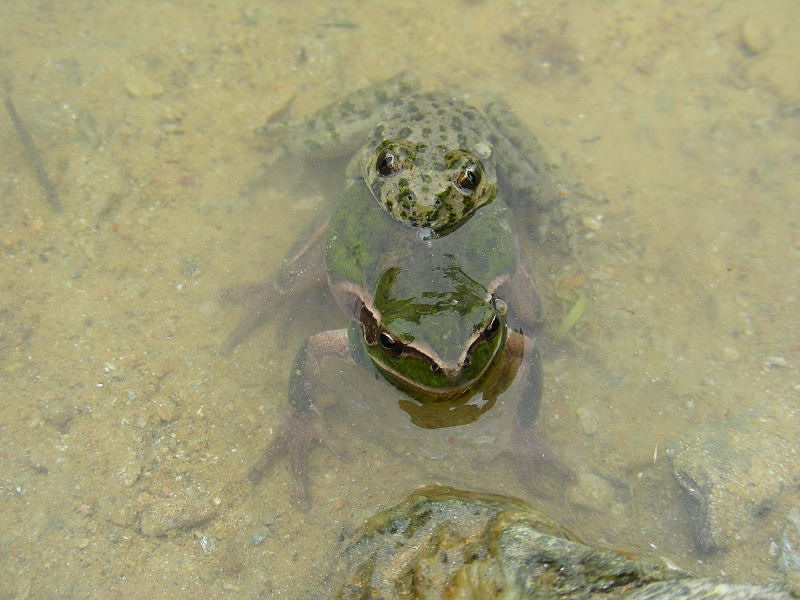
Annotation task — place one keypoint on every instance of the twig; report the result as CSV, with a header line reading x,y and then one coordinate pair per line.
x,y
34,157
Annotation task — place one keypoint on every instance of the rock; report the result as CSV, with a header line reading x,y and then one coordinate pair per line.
x,y
447,543
591,492
755,36
789,547
731,475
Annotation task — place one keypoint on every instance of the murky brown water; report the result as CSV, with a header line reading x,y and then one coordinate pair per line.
x,y
125,435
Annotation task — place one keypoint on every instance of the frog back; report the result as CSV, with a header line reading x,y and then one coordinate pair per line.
x,y
364,243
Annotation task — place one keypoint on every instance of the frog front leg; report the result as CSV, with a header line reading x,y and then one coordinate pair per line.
x,y
301,273
303,428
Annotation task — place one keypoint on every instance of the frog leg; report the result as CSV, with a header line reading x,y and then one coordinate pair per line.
x,y
337,129
303,428
531,186
530,452
523,302
302,272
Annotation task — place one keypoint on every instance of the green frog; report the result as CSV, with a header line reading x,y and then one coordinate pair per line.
x,y
439,302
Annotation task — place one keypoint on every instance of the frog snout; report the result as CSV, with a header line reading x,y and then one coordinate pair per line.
x,y
451,373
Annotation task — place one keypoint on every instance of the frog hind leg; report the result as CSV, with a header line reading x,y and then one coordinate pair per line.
x,y
525,308
302,273
303,428
337,129
532,456
529,181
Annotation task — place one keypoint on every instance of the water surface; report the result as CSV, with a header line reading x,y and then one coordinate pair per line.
x,y
125,435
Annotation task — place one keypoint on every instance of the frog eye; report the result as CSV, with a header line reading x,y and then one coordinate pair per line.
x,y
468,180
393,347
387,163
492,328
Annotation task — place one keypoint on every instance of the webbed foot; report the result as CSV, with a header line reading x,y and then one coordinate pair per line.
x,y
296,438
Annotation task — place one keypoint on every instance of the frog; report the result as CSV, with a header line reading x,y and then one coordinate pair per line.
x,y
429,159
439,304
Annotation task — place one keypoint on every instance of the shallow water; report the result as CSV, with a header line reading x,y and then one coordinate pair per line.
x,y
125,435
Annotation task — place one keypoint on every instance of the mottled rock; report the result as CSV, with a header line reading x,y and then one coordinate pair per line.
x,y
443,543
789,547
732,474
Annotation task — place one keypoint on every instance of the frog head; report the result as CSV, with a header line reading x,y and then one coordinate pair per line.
x,y
434,340
428,169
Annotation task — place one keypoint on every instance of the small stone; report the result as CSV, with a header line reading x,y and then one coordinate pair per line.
x,y
165,410
775,361
587,419
591,223
130,468
256,539
591,492
208,544
730,354
139,86
755,36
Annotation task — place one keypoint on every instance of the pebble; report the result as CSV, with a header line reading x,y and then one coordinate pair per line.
x,y
755,36
587,419
166,410
775,361
730,354
208,544
139,86
591,223
129,469
592,492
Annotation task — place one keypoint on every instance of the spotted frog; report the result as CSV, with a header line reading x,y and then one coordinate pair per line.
x,y
429,160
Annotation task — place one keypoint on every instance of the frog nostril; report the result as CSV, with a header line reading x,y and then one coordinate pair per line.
x,y
437,370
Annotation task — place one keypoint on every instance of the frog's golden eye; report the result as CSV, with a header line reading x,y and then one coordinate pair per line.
x,y
469,178
393,347
387,163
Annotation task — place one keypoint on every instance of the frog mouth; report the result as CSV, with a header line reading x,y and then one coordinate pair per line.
x,y
459,386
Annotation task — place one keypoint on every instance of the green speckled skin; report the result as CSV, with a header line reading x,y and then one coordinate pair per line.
x,y
446,158
434,137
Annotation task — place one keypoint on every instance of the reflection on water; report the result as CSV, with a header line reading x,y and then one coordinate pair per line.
x,y
126,435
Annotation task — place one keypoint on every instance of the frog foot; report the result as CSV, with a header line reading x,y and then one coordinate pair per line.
x,y
533,459
295,439
256,298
